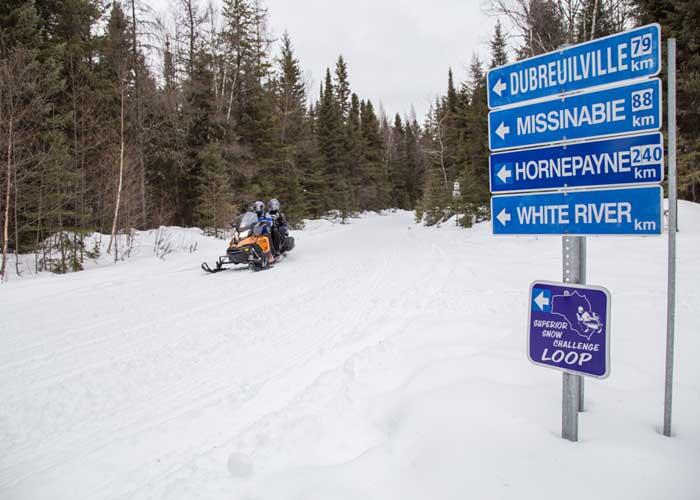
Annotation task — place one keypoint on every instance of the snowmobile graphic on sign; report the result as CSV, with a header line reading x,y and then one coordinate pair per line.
x,y
568,328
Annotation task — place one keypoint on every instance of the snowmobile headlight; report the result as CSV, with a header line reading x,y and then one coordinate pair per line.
x,y
243,234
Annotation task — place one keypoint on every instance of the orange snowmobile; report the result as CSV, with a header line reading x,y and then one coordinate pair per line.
x,y
251,245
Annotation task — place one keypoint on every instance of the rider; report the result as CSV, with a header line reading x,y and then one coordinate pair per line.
x,y
583,315
259,208
280,227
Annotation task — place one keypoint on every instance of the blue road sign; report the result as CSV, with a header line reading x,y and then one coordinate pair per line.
x,y
630,210
616,58
614,111
569,328
626,160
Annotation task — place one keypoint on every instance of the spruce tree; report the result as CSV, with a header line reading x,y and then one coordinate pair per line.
x,y
414,164
313,166
474,178
332,144
342,87
398,173
499,47
200,131
214,203
543,28
291,95
451,101
434,205
374,192
292,134
353,154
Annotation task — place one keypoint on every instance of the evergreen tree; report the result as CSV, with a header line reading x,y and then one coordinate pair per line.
x,y
353,153
191,19
398,173
414,167
499,47
291,96
475,176
200,130
451,101
342,87
292,131
332,143
434,205
214,204
313,167
238,40
543,28
374,190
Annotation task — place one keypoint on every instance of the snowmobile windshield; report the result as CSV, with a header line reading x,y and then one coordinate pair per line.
x,y
247,221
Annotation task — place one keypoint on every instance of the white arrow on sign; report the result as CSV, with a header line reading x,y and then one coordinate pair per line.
x,y
541,301
499,87
503,217
504,174
502,130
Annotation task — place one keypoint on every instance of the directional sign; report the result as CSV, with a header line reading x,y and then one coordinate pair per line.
x,y
626,160
613,111
616,58
632,210
569,328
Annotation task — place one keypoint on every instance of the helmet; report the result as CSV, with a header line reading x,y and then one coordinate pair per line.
x,y
259,207
273,205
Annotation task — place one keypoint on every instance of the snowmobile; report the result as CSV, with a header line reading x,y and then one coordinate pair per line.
x,y
251,245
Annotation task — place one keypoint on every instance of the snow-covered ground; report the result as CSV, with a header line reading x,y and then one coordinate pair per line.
x,y
381,360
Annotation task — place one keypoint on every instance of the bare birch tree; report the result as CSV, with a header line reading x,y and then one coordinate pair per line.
x,y
120,181
21,98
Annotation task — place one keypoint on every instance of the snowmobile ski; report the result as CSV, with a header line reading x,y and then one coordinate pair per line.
x,y
219,267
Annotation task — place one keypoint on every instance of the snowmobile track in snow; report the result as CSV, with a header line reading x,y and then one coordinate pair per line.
x,y
377,361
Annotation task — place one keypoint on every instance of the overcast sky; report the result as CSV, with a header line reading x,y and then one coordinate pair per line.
x,y
398,51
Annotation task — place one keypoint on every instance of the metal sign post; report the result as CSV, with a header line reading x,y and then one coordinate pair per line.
x,y
574,271
672,228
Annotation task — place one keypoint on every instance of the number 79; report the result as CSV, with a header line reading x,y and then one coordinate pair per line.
x,y
641,45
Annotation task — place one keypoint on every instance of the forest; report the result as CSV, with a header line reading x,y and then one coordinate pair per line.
x,y
114,120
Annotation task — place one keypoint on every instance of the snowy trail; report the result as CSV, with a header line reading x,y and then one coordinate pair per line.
x,y
380,360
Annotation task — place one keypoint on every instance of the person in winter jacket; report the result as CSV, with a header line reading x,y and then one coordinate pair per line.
x,y
259,208
280,227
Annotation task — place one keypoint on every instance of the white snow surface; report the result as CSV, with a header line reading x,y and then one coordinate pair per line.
x,y
380,360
